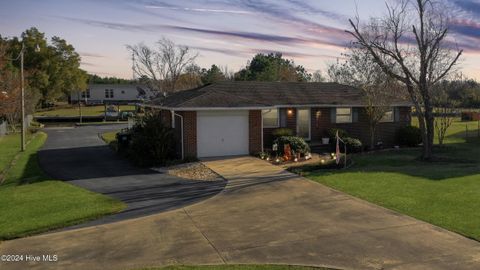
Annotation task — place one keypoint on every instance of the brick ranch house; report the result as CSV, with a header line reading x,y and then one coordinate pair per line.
x,y
237,118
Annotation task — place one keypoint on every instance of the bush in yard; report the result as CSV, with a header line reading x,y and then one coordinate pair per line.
x,y
151,142
409,136
332,133
353,145
282,132
297,144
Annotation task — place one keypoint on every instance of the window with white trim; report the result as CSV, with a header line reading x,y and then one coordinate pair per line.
x,y
343,115
86,94
108,93
388,117
270,118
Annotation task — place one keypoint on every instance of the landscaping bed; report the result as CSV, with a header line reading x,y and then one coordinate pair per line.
x,y
191,171
238,267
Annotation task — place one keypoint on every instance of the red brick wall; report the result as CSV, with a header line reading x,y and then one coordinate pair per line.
x,y
189,134
291,123
321,122
292,119
254,131
385,132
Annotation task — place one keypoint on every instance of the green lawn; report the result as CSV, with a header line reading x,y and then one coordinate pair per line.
x,y
238,267
9,147
86,111
109,137
31,202
445,192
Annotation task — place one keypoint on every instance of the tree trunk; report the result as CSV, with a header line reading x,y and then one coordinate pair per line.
x,y
423,130
430,132
372,136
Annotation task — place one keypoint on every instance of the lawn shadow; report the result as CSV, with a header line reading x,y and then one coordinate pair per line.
x,y
451,161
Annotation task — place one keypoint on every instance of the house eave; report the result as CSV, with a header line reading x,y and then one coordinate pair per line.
x,y
261,107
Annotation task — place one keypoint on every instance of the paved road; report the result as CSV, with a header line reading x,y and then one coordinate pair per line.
x,y
265,215
80,157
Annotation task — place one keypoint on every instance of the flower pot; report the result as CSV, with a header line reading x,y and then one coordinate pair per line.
x,y
325,140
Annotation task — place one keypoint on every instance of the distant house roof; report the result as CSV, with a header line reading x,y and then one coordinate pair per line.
x,y
246,94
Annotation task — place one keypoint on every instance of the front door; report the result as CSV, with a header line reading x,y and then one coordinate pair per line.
x,y
303,123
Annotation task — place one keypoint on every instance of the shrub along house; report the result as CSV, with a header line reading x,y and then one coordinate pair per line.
x,y
238,118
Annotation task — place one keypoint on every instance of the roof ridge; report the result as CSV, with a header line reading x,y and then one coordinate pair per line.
x,y
195,90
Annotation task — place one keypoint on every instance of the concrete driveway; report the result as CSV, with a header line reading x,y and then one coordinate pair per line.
x,y
265,215
80,157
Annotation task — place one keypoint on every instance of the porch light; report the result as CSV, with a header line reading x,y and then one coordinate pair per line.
x,y
322,161
290,111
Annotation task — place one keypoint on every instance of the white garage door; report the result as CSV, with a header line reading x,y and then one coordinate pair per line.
x,y
222,133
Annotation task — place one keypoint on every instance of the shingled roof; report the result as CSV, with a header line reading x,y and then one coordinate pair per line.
x,y
242,94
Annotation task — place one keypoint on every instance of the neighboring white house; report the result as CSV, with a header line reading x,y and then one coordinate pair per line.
x,y
113,94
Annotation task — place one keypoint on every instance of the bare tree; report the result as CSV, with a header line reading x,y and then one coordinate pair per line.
x,y
360,71
317,76
163,65
229,74
410,45
445,108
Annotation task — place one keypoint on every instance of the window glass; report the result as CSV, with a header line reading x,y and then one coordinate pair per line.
x,y
344,115
270,118
388,116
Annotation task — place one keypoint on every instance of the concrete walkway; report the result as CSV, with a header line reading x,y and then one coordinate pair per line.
x,y
265,215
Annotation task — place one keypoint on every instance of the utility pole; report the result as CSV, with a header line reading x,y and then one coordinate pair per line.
x,y
23,98
79,106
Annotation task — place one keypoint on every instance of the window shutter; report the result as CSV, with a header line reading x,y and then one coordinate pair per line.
x,y
355,115
333,115
396,114
283,117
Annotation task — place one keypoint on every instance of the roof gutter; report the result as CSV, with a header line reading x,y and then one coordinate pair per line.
x,y
263,107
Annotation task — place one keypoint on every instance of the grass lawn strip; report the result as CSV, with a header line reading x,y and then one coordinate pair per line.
x,y
445,193
9,152
238,267
32,202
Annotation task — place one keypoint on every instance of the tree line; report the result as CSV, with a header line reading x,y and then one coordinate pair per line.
x,y
169,67
51,68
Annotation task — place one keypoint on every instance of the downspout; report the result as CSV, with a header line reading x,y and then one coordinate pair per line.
x,y
261,129
181,130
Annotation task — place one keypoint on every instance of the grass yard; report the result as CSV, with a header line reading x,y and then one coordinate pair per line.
x,y
445,192
86,111
31,202
237,267
109,137
9,147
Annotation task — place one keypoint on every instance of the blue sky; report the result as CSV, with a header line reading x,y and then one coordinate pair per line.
x,y
224,32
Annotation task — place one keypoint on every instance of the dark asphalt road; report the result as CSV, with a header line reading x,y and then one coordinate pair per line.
x,y
79,157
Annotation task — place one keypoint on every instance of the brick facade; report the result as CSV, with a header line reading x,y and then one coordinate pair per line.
x,y
321,122
189,133
254,131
